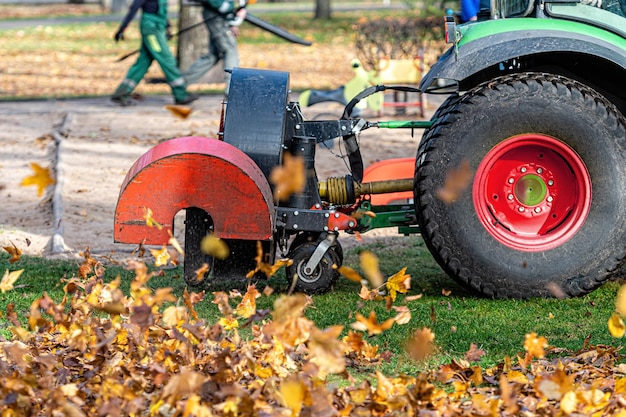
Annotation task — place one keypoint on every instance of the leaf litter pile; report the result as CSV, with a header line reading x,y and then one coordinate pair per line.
x,y
101,352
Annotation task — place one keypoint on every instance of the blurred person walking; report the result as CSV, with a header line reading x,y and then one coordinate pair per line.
x,y
155,32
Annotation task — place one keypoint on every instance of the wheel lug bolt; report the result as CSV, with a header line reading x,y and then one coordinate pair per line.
x,y
550,198
537,209
521,209
511,180
510,196
539,170
523,169
550,182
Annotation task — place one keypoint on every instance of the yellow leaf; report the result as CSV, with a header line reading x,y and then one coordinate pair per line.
x,y
399,282
9,279
569,403
150,222
229,323
616,326
289,178
41,178
292,392
162,256
517,376
369,264
214,246
535,345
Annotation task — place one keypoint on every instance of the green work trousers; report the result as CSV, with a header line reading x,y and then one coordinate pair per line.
x,y
154,47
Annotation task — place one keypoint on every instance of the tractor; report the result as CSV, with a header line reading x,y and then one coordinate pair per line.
x,y
533,115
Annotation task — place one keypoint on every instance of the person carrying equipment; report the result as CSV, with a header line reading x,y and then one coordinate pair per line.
x,y
154,27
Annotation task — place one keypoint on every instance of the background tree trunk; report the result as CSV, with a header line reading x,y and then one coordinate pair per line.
x,y
322,9
194,42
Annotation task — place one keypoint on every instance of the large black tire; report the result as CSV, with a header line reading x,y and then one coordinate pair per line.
x,y
318,281
197,226
478,238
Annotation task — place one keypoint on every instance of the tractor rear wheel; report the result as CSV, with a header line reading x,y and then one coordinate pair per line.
x,y
197,225
543,212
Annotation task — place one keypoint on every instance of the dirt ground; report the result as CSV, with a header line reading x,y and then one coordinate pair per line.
x,y
89,145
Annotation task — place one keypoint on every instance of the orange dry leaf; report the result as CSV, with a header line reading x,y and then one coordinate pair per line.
x,y
457,180
9,278
214,246
14,252
369,265
264,267
616,326
150,222
289,178
247,306
41,178
350,273
371,324
535,345
181,112
327,351
421,345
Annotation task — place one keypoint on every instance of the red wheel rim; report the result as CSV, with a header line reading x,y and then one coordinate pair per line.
x,y
532,192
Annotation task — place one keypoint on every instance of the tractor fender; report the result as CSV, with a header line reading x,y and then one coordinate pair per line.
x,y
194,172
488,44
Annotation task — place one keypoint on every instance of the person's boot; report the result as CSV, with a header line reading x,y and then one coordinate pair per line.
x,y
190,98
122,94
123,101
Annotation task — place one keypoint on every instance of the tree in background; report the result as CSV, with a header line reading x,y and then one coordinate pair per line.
x,y
192,43
322,9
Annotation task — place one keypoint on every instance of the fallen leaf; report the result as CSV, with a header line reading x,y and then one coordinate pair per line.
x,y
9,278
288,178
179,111
14,252
535,345
456,181
214,246
42,178
616,326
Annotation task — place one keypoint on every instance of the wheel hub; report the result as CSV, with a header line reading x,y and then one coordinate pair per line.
x,y
532,192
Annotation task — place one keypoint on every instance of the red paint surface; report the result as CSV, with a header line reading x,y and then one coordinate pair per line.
x,y
390,169
194,172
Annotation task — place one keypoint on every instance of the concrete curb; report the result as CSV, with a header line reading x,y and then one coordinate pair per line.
x,y
57,242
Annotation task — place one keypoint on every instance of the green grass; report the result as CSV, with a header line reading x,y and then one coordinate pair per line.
x,y
459,319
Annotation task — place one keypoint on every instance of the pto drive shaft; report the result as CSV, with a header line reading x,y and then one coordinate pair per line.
x,y
342,191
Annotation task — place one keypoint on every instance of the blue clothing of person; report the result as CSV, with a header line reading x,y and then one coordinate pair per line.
x,y
469,10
